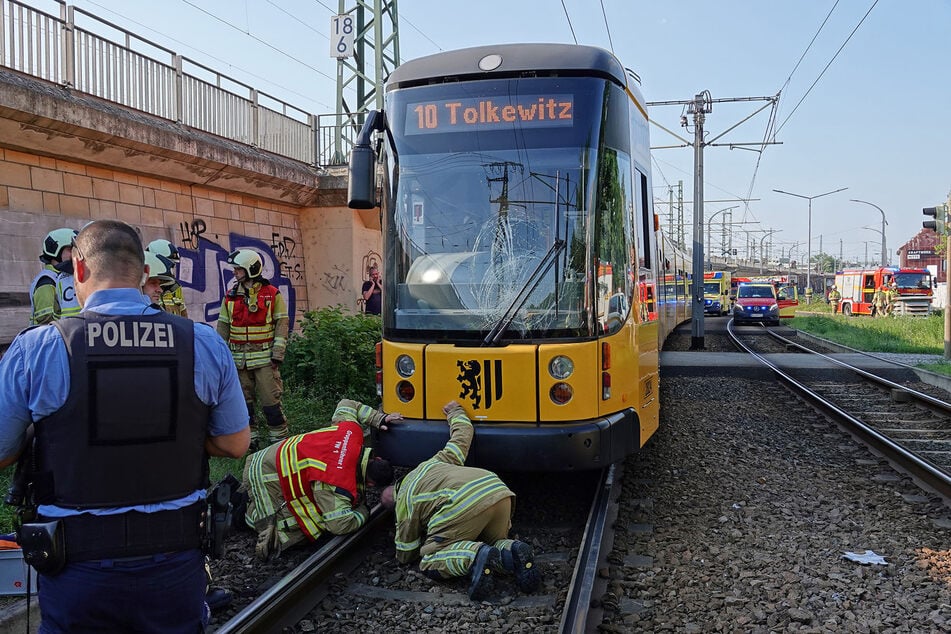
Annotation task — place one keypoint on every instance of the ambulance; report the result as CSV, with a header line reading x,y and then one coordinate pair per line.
x,y
716,293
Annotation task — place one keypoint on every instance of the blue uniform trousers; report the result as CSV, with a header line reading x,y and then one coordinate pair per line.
x,y
163,594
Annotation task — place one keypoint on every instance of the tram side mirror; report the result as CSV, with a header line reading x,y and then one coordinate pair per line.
x,y
361,185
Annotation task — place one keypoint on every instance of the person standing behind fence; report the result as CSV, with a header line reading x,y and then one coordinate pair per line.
x,y
126,404
373,293
56,249
254,321
172,300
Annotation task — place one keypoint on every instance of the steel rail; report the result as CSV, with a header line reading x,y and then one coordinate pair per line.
x,y
882,381
921,470
287,602
575,614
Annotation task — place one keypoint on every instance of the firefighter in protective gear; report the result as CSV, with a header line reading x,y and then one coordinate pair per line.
x,y
879,301
160,272
55,254
172,299
314,484
891,298
456,519
254,321
834,298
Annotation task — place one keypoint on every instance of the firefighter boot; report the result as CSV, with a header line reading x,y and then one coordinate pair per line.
x,y
276,434
276,423
520,560
486,560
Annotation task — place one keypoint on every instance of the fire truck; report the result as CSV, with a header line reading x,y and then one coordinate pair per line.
x,y
716,292
857,287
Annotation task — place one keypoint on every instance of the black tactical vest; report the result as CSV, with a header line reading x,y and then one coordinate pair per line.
x,y
132,430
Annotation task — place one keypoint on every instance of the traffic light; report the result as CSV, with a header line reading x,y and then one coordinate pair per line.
x,y
940,215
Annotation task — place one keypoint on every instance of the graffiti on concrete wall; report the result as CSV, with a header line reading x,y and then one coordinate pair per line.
x,y
335,280
284,248
205,274
192,232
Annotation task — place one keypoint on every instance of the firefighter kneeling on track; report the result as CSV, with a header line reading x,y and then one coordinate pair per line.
x,y
456,519
314,483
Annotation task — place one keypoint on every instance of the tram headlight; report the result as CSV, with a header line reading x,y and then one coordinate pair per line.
x,y
405,366
561,367
560,393
405,391
432,276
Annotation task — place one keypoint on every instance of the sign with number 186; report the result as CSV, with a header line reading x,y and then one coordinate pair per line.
x,y
341,36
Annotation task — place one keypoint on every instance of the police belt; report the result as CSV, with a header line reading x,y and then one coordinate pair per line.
x,y
132,534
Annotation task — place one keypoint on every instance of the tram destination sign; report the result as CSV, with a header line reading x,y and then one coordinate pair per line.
x,y
483,113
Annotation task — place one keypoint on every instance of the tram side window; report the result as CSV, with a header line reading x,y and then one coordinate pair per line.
x,y
614,283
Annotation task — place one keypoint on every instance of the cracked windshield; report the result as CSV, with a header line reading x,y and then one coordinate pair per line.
x,y
487,238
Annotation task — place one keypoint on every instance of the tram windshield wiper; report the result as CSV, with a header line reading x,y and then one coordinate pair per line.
x,y
525,292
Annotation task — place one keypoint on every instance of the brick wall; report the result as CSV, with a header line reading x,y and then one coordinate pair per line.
x,y
67,158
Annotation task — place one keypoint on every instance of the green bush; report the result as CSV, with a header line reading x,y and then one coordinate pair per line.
x,y
334,356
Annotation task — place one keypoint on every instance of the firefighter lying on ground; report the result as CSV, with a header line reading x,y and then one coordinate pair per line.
x,y
314,483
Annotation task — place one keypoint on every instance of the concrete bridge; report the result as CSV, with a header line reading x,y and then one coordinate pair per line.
x,y
67,158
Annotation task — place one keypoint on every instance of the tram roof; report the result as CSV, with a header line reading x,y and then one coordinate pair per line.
x,y
515,59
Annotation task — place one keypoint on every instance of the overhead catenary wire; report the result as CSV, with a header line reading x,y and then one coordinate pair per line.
x,y
803,98
258,39
808,46
607,27
568,18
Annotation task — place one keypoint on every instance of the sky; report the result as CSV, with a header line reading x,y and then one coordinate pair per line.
x,y
863,85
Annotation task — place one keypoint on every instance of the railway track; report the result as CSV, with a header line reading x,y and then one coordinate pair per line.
x,y
908,427
356,572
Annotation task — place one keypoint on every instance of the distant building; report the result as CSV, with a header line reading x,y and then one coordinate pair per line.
x,y
919,252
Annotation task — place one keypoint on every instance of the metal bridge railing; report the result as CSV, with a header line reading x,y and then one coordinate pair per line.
x,y
130,70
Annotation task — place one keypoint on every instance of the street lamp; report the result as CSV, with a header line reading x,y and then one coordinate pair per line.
x,y
794,247
884,251
762,255
809,228
709,221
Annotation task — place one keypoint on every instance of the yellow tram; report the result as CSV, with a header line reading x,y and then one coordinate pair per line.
x,y
525,270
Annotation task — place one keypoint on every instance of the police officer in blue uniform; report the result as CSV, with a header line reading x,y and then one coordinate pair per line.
x,y
125,402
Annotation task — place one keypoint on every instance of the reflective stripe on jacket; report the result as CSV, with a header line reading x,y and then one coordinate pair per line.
x,y
43,296
173,300
331,456
254,323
